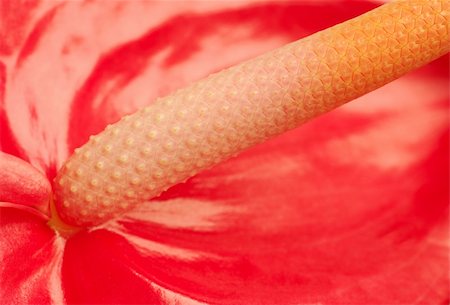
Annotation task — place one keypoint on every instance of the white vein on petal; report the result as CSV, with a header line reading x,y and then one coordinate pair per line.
x,y
50,271
169,297
174,298
55,283
182,213
151,248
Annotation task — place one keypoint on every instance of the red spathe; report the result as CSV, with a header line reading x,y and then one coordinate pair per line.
x,y
351,208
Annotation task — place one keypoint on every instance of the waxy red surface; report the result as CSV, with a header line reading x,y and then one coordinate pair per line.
x,y
351,208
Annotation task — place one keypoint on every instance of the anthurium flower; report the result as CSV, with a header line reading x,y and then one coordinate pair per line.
x,y
351,208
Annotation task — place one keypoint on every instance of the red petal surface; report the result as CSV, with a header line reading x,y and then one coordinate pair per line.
x,y
350,209
20,183
97,269
31,259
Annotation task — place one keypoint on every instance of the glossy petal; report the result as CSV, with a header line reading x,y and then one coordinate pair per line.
x,y
31,259
20,183
351,208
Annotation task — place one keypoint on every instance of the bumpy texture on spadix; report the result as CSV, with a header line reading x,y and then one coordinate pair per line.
x,y
199,126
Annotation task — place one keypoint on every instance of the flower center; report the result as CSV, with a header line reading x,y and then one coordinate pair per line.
x,y
58,225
